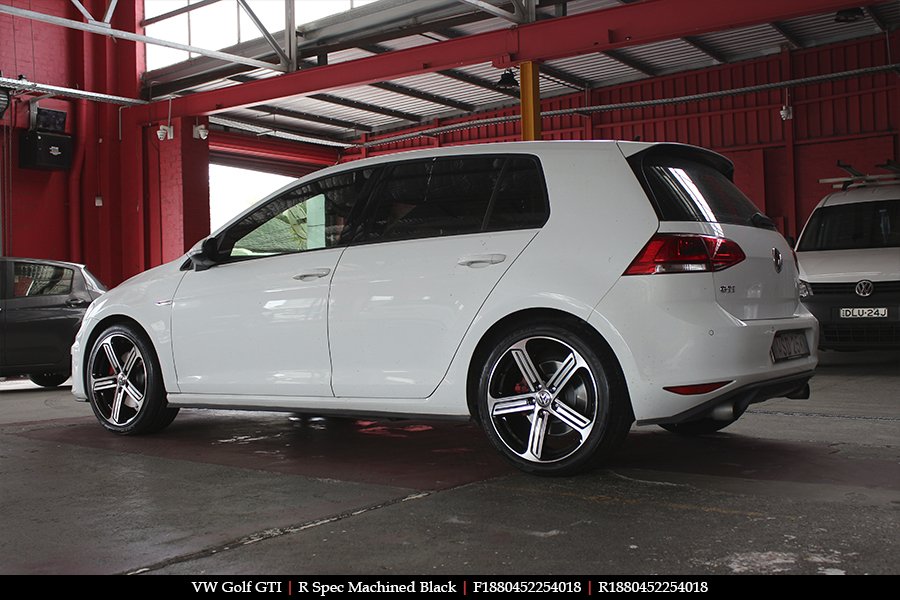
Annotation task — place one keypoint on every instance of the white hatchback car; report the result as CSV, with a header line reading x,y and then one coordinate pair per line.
x,y
553,291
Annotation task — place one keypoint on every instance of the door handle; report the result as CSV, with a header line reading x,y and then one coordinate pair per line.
x,y
312,274
479,261
76,302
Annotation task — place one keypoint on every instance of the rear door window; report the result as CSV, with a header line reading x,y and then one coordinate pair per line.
x,y
35,279
853,226
683,187
455,196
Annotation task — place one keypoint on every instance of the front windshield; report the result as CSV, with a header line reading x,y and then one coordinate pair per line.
x,y
853,226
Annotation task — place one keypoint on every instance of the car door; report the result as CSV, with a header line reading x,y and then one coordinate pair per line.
x,y
256,323
43,310
439,236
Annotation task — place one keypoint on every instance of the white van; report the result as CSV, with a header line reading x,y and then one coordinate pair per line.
x,y
849,255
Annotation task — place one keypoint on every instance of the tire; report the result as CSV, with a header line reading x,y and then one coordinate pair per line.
x,y
124,383
698,427
48,380
550,402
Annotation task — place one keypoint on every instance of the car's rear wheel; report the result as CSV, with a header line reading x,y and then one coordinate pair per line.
x,y
48,380
550,403
124,383
698,427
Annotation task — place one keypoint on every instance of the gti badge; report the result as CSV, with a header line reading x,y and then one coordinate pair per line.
x,y
865,288
778,260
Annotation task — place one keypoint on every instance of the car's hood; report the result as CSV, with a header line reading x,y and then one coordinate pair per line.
x,y
840,266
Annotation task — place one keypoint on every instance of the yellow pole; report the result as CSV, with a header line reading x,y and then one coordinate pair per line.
x,y
530,99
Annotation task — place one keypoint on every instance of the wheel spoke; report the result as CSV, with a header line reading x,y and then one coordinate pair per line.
x,y
103,383
563,374
111,357
526,367
522,403
117,405
130,360
134,394
571,417
536,435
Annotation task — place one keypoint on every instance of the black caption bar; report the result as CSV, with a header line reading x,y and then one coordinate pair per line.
x,y
332,586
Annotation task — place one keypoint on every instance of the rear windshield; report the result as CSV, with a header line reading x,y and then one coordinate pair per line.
x,y
683,188
850,226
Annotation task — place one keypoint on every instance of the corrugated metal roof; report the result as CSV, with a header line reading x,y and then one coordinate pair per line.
x,y
670,56
822,29
597,69
748,42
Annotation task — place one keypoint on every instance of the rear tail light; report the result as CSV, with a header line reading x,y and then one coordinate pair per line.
x,y
700,388
683,253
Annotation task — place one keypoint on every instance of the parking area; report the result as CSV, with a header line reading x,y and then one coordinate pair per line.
x,y
795,486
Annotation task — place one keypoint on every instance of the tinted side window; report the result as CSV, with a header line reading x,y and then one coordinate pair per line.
x,y
312,216
445,196
520,199
30,279
457,195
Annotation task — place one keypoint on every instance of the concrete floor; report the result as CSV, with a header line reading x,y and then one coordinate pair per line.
x,y
795,486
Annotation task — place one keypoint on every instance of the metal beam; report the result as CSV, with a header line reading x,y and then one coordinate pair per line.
x,y
107,16
452,73
548,70
705,49
516,16
228,120
427,96
365,106
127,35
254,146
265,33
630,62
176,12
83,10
290,113
879,19
290,34
55,90
784,32
597,31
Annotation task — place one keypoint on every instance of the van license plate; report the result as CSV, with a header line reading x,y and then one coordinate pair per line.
x,y
864,313
788,345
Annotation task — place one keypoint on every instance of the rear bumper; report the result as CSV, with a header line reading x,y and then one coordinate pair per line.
x,y
682,338
741,398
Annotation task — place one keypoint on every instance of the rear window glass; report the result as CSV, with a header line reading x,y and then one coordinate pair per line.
x,y
32,279
683,189
850,226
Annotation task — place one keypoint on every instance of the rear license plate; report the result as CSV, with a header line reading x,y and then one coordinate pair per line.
x,y
788,345
864,313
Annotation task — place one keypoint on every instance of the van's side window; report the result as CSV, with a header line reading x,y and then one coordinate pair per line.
x,y
457,195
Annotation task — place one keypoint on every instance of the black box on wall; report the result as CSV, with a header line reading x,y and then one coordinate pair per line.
x,y
45,151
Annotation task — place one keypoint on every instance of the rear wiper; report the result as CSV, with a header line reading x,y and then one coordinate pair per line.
x,y
762,221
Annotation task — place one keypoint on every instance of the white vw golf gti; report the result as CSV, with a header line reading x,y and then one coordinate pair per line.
x,y
555,292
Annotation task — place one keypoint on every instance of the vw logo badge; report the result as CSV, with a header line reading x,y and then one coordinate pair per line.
x,y
865,288
778,260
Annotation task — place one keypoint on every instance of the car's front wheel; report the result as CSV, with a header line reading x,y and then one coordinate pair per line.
x,y
550,402
124,383
48,380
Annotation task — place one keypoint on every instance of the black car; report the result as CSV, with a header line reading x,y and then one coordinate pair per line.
x,y
42,303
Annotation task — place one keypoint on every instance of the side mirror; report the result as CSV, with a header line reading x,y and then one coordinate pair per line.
x,y
208,256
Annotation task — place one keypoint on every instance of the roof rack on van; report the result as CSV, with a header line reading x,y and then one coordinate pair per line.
x,y
858,179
